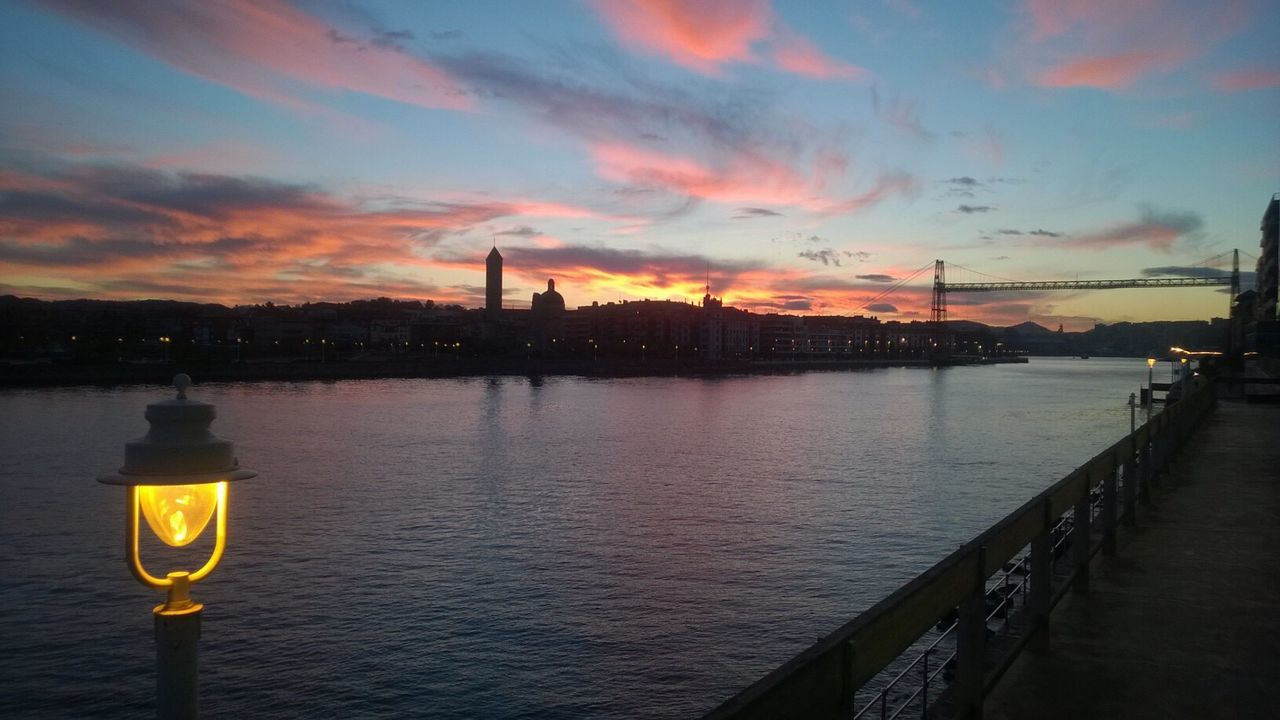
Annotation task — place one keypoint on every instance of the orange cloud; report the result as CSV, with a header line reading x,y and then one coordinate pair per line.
x,y
1258,78
117,231
267,50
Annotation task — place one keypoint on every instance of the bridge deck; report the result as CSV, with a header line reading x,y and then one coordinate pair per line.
x,y
1185,620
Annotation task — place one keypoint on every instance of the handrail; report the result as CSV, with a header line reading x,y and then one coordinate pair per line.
x,y
821,681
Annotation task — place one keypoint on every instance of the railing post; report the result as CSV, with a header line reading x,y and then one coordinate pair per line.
x,y
1082,538
1110,501
1042,580
971,641
1144,468
1130,470
847,689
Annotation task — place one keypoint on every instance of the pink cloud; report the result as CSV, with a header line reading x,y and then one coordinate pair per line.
x,y
743,179
268,50
795,54
697,34
1051,18
1113,72
704,35
1155,228
1257,78
746,180
1115,45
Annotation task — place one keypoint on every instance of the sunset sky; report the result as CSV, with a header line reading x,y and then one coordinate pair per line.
x,y
808,154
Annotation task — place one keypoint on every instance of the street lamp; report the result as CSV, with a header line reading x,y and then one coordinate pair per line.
x,y
176,477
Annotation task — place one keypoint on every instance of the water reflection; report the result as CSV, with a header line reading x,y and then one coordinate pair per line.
x,y
516,547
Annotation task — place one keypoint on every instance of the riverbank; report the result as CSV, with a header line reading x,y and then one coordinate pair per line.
x,y
52,375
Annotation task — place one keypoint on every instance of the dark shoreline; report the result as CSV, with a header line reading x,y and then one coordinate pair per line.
x,y
53,375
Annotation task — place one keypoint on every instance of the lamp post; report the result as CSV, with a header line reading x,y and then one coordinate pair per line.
x,y
176,477
1151,391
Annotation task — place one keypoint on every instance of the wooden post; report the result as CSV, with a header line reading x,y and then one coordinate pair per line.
x,y
178,665
971,646
1082,538
1041,581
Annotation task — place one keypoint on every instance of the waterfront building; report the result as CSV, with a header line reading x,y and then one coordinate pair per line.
x,y
642,328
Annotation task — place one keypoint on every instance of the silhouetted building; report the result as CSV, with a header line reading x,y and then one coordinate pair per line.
x,y
1264,334
493,285
1269,262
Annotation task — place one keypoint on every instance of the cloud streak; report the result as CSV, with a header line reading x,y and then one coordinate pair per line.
x,y
268,50
102,227
1115,46
1156,229
740,178
1244,80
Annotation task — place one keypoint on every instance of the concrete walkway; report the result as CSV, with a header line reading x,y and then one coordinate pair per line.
x,y
1185,621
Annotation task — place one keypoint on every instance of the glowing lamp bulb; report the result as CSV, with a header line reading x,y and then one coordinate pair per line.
x,y
179,513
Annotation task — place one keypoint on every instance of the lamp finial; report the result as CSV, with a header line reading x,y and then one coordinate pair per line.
x,y
182,381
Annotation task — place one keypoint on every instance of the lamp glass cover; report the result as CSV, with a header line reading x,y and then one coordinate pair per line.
x,y
178,513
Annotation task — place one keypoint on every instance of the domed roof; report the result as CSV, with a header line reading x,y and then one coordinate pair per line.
x,y
551,297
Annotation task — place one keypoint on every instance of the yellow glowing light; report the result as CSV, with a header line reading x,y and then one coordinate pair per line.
x,y
179,513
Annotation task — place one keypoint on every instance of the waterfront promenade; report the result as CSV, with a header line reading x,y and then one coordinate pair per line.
x,y
1185,620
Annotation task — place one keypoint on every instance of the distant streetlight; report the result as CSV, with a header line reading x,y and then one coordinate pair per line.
x,y
177,477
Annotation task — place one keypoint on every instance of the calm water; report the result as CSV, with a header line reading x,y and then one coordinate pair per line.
x,y
500,548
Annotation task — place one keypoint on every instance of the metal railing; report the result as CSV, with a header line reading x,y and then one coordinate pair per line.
x,y
826,679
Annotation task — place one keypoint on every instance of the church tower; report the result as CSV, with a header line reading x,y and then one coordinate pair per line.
x,y
493,285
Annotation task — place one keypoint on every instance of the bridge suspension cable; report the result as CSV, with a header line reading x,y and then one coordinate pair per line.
x,y
867,305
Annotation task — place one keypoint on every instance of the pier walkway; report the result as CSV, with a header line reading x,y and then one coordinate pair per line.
x,y
1184,621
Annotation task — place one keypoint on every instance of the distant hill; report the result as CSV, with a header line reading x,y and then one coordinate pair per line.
x,y
1029,328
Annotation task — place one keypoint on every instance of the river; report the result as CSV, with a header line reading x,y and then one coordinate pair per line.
x,y
511,548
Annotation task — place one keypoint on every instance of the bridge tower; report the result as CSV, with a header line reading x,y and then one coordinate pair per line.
x,y
938,312
1235,275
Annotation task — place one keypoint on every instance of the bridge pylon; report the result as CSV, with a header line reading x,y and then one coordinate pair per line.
x,y
938,311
